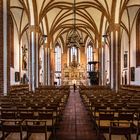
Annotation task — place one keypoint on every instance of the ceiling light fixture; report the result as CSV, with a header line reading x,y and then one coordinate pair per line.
x,y
74,38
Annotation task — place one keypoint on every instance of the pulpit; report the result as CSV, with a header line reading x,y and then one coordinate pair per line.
x,y
93,73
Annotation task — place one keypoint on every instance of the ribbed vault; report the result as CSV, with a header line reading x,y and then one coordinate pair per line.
x,y
55,17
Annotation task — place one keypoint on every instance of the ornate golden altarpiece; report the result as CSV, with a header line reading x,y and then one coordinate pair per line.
x,y
74,73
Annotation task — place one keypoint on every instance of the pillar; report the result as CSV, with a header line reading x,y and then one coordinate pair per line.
x,y
115,58
100,59
48,67
47,64
34,58
4,54
103,64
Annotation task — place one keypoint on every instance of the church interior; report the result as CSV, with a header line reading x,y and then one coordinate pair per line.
x,y
70,69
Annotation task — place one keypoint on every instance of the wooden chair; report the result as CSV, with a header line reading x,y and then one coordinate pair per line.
x,y
26,114
103,121
126,116
9,114
120,128
36,126
49,116
11,126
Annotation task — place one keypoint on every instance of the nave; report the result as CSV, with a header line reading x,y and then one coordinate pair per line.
x,y
48,46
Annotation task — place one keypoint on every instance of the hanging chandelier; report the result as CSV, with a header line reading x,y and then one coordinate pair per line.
x,y
74,38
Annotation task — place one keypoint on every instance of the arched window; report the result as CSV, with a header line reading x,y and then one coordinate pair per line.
x,y
89,57
57,58
57,77
138,41
74,53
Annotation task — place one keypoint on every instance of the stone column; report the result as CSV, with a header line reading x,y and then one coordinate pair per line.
x,y
48,67
103,64
34,58
4,53
100,64
115,58
46,63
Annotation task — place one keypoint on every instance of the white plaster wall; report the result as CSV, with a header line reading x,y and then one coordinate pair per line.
x,y
133,57
133,47
124,49
137,77
16,59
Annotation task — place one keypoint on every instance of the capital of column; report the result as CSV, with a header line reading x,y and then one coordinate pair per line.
x,y
34,28
114,27
100,45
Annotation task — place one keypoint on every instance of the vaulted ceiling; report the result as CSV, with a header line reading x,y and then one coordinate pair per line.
x,y
55,17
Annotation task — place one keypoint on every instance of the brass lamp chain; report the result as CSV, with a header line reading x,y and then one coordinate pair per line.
x,y
74,12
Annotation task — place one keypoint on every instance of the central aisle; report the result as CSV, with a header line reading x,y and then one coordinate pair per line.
x,y
76,124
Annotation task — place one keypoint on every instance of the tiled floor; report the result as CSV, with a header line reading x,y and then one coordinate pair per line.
x,y
76,124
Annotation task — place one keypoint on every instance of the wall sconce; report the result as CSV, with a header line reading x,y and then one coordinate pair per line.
x,y
43,39
105,38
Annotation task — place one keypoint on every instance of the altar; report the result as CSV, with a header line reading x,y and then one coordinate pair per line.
x,y
77,75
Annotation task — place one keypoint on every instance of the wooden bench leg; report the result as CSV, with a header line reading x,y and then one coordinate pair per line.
x,y
45,135
109,136
20,135
3,135
137,137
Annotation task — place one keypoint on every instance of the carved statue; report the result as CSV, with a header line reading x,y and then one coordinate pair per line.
x,y
24,57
